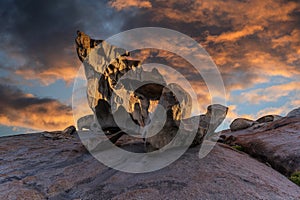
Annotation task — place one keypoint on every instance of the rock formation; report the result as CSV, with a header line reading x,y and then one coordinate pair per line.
x,y
294,113
35,167
56,135
87,122
275,143
205,124
268,118
120,91
241,123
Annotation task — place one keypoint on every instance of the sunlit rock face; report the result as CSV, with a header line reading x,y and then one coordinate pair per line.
x,y
110,92
120,92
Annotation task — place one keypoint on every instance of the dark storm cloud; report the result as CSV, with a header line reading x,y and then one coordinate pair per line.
x,y
40,35
12,97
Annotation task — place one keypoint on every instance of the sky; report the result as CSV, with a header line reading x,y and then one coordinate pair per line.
x,y
255,45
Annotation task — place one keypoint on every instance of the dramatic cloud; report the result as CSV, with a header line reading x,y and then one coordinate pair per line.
x,y
236,35
25,110
39,36
235,12
123,4
253,42
246,39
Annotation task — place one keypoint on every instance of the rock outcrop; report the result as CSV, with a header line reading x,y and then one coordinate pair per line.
x,y
241,123
294,113
276,143
120,92
268,118
200,125
109,91
56,135
35,167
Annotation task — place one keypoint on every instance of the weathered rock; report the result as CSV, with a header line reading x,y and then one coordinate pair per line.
x,y
33,167
210,121
120,92
294,113
56,135
277,143
172,99
85,122
84,45
200,125
215,115
69,130
241,123
268,118
109,91
104,64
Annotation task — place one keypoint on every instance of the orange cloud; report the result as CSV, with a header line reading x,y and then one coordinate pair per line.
x,y
269,65
48,76
290,41
208,12
25,110
51,119
124,4
235,35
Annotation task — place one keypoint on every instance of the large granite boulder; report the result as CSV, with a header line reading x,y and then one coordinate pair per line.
x,y
35,167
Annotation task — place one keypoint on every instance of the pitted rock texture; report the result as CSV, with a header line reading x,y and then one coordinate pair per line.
x,y
120,86
34,167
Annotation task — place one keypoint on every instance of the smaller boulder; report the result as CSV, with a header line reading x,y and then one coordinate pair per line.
x,y
87,122
268,118
294,113
241,123
69,130
57,135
